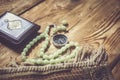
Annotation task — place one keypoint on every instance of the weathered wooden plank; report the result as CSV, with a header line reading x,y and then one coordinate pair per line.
x,y
90,21
95,22
100,19
17,6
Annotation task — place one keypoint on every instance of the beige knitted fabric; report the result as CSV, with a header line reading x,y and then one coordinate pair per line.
x,y
89,64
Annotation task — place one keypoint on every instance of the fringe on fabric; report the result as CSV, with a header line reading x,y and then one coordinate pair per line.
x,y
89,64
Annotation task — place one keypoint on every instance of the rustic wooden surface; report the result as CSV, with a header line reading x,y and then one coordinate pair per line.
x,y
90,21
17,6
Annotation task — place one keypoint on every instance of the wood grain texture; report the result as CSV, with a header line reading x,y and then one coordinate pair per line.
x,y
17,6
92,22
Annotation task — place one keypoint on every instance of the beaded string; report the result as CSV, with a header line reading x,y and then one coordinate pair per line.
x,y
53,61
44,59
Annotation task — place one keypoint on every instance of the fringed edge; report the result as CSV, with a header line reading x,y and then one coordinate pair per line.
x,y
96,60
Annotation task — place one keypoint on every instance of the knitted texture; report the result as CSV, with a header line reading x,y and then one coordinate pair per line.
x,y
84,67
83,63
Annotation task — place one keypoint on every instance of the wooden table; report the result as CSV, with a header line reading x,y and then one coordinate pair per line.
x,y
90,21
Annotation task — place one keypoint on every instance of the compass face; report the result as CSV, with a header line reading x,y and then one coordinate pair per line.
x,y
14,26
59,40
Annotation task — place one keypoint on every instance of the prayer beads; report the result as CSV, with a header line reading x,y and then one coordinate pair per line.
x,y
52,61
44,59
